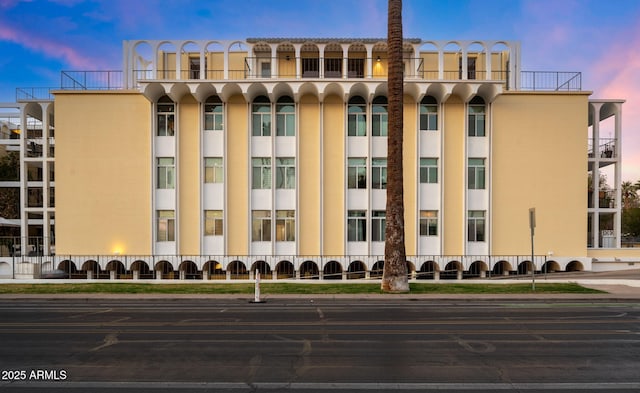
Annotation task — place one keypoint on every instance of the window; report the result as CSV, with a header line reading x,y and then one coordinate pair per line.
x,y
355,68
475,227
285,117
166,225
357,117
357,173
213,170
165,117
379,117
213,223
357,226
285,225
378,222
261,173
286,173
429,170
332,67
476,117
194,67
166,172
471,67
379,173
261,226
213,114
428,114
428,223
261,117
476,174
310,67
265,69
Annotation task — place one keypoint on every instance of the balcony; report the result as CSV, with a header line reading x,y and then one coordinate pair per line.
x,y
606,149
332,68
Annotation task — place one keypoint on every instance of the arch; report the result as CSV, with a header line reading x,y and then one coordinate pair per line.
x,y
356,60
333,89
282,90
377,269
451,270
476,64
309,269
142,61
477,100
214,54
525,267
428,270
332,271
285,269
116,266
68,266
477,268
502,268
167,61
379,116
255,90
551,267
94,266
310,60
213,109
575,266
356,270
191,271
143,269
263,267
214,269
451,55
307,88
261,123
190,66
90,265
165,269
357,116
500,54
411,268
237,270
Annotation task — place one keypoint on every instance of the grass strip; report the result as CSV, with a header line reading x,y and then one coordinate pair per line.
x,y
289,288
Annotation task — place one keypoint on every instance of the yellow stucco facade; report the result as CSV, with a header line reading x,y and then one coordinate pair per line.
x,y
536,141
103,168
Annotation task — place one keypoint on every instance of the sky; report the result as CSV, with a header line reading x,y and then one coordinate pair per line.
x,y
600,39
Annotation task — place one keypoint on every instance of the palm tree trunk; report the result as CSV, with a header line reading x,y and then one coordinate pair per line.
x,y
394,277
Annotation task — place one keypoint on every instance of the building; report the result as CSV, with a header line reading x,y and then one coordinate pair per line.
x,y
214,159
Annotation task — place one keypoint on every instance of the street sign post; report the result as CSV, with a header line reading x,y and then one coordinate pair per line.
x,y
532,226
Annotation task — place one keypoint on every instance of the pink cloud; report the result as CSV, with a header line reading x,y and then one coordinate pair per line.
x,y
616,74
48,47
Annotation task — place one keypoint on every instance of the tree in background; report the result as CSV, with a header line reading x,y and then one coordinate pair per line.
x,y
394,276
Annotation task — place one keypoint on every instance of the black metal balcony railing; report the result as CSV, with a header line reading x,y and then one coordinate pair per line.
x,y
606,149
34,94
551,81
91,80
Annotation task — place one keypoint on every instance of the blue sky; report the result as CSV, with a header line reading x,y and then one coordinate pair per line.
x,y
601,39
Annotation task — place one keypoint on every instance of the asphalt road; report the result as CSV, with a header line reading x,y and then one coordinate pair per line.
x,y
320,345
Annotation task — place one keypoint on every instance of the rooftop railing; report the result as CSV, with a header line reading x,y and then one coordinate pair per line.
x,y
91,80
34,94
114,80
550,81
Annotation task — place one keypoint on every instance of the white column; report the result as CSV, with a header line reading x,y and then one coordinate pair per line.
x,y
298,72
369,63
